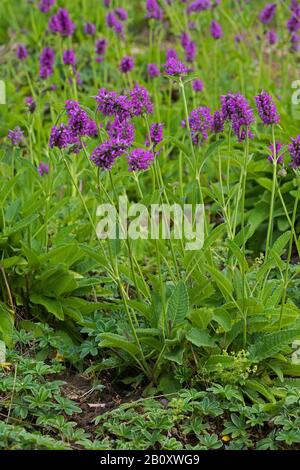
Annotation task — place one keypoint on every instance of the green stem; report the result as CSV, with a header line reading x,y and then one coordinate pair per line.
x,y
270,224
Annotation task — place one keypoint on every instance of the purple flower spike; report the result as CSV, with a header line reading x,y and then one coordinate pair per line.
x,y
175,68
294,149
268,13
59,136
200,121
140,101
153,10
216,30
22,52
153,70
46,62
113,22
156,134
79,123
16,136
121,14
266,109
61,23
236,109
101,45
272,37
121,131
171,54
140,160
104,155
218,122
69,57
199,5
46,5
126,64
43,169
89,29
112,104
197,85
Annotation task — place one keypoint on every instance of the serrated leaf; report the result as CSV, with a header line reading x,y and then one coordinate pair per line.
x,y
178,305
200,338
272,343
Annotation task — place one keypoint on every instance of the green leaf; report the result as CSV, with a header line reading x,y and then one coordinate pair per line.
x,y
222,282
265,183
175,355
259,387
112,340
20,225
201,317
6,324
236,251
272,343
51,305
200,338
222,317
178,305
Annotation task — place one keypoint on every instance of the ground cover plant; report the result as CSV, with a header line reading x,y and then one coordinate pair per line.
x,y
157,329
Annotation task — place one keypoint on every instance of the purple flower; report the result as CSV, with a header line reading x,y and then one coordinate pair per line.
x,y
90,29
173,67
22,52
121,14
236,109
295,42
46,62
69,57
198,5
43,169
216,30
190,51
61,23
171,54
100,47
268,13
153,10
294,149
126,64
104,155
59,136
16,136
140,160
46,5
197,85
266,109
121,131
106,3
114,23
279,154
79,123
200,121
156,134
153,70
293,24
29,101
184,39
272,37
140,101
112,104
217,122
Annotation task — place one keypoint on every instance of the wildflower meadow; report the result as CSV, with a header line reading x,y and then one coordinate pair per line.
x,y
149,225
